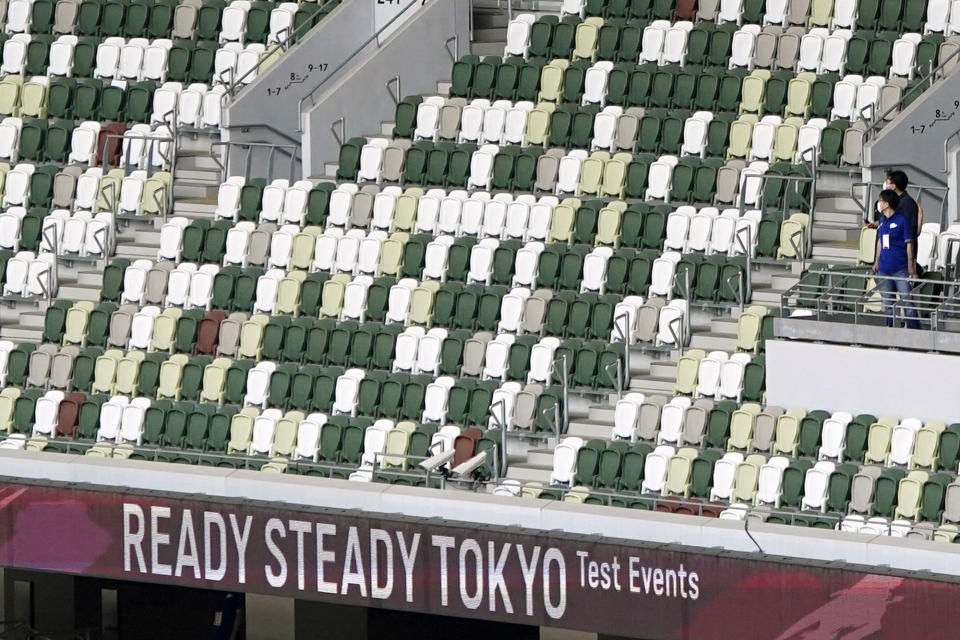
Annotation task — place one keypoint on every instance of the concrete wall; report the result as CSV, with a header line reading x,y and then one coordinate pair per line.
x,y
811,545
863,380
914,141
416,52
267,110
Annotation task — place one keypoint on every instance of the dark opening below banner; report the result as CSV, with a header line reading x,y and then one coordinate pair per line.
x,y
612,587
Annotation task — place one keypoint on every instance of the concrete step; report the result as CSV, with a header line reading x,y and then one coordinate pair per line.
x,y
601,413
770,297
90,278
204,176
652,384
196,161
482,49
195,207
139,235
540,457
837,204
835,232
195,190
21,334
590,430
32,319
662,369
489,19
783,282
526,472
78,292
713,342
28,319
197,145
851,218
835,252
137,251
724,326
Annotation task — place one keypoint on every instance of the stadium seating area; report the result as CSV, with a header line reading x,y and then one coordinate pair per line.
x,y
86,86
563,208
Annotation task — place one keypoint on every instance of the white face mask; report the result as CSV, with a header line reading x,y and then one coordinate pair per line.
x,y
879,207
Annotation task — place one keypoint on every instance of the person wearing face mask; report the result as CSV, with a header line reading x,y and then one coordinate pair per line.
x,y
895,258
897,182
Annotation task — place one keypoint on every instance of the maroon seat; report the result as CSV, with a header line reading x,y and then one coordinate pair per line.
x,y
208,333
669,504
690,507
713,509
108,149
69,415
685,10
465,445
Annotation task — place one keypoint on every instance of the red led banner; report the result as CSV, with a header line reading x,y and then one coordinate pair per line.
x,y
449,569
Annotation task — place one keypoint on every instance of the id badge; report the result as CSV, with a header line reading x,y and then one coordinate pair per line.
x,y
886,241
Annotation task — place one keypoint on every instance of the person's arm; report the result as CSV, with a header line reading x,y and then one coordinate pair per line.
x,y
919,220
876,256
911,264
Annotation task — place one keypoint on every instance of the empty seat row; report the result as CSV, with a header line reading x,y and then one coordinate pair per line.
x,y
892,14
35,140
40,97
431,303
746,378
415,349
270,440
262,22
137,59
667,177
460,215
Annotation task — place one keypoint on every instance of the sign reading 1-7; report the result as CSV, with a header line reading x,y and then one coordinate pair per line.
x,y
940,115
297,78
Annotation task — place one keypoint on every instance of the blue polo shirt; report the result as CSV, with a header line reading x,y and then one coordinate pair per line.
x,y
893,234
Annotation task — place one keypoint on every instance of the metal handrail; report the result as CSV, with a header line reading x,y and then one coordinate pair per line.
x,y
797,251
678,339
617,379
290,150
395,95
920,189
284,43
738,290
169,158
455,54
342,136
746,246
794,180
501,420
918,88
837,292
946,142
347,60
620,324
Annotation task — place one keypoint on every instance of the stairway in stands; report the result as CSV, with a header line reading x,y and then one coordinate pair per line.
x,y
196,180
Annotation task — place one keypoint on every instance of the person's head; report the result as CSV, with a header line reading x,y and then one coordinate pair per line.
x,y
887,203
896,181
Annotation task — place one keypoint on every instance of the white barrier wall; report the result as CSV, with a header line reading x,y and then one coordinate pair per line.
x,y
863,380
484,509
